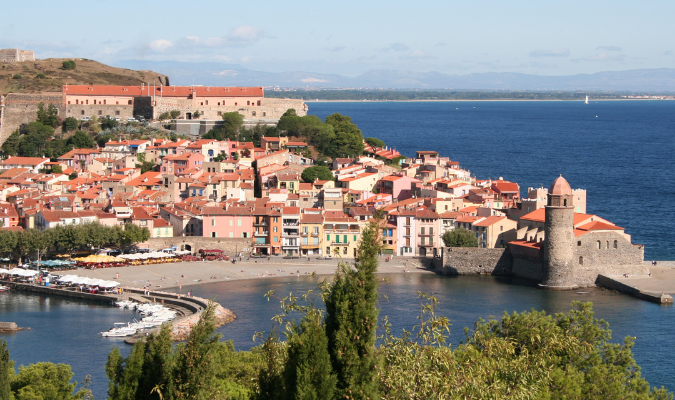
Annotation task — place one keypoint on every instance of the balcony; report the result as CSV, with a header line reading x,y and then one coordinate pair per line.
x,y
264,233
290,234
263,223
261,245
291,223
334,243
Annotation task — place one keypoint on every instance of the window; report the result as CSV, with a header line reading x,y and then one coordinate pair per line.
x,y
616,244
423,240
130,102
239,222
117,113
274,229
82,112
213,222
100,112
276,239
422,231
501,228
220,113
431,230
579,243
599,245
231,234
581,261
276,219
316,230
305,230
232,223
344,250
304,240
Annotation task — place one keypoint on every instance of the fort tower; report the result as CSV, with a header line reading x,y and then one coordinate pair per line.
x,y
559,231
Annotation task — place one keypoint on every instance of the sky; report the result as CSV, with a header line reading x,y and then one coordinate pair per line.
x,y
353,37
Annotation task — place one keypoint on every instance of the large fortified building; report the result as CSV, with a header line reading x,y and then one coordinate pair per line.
x,y
574,248
150,102
557,246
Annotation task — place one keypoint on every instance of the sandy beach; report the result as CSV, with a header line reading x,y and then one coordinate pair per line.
x,y
172,275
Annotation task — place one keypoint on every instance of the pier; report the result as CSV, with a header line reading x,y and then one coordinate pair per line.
x,y
188,308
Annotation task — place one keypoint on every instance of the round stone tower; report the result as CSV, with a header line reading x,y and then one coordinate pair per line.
x,y
559,243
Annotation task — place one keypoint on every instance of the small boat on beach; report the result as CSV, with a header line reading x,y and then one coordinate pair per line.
x,y
4,288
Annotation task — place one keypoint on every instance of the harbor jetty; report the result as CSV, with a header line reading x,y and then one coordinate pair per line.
x,y
188,309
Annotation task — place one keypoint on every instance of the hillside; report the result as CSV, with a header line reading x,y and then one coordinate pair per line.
x,y
86,72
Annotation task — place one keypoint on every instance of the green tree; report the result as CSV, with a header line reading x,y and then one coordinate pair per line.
x,y
11,145
308,373
134,234
57,169
351,319
375,142
46,381
70,64
165,115
17,76
145,166
70,124
174,114
196,114
460,237
322,173
6,371
109,123
40,76
149,366
194,374
73,175
81,140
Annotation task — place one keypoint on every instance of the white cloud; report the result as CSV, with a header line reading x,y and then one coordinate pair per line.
x,y
550,53
609,48
160,45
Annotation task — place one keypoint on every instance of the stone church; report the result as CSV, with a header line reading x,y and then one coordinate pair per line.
x,y
563,249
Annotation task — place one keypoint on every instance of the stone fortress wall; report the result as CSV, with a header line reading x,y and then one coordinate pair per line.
x,y
269,109
21,108
16,55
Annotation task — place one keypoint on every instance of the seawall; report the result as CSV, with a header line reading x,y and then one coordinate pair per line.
x,y
189,309
615,284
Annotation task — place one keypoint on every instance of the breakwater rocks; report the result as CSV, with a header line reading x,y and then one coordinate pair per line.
x,y
181,328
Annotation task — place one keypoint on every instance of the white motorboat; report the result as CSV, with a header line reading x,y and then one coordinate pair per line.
x,y
120,329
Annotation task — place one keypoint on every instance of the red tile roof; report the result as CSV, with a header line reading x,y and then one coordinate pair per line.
x,y
164,91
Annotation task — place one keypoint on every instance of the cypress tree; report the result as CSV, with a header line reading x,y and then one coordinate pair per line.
x,y
6,371
351,305
308,374
194,373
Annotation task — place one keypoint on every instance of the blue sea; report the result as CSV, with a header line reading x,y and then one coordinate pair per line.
x,y
619,151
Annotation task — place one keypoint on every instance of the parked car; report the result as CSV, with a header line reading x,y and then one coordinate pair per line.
x,y
131,119
85,118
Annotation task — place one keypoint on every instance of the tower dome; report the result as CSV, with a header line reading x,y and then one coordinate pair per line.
x,y
560,193
560,187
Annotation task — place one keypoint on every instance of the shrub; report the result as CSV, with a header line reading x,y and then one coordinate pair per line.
x,y
17,76
40,76
175,114
70,64
164,115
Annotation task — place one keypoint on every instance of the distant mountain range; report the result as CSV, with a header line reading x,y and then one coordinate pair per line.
x,y
217,74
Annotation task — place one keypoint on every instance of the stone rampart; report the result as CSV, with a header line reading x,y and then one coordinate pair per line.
x,y
475,260
99,111
528,268
22,108
193,243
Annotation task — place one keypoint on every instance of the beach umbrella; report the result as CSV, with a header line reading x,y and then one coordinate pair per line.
x,y
108,284
3,271
15,271
67,278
